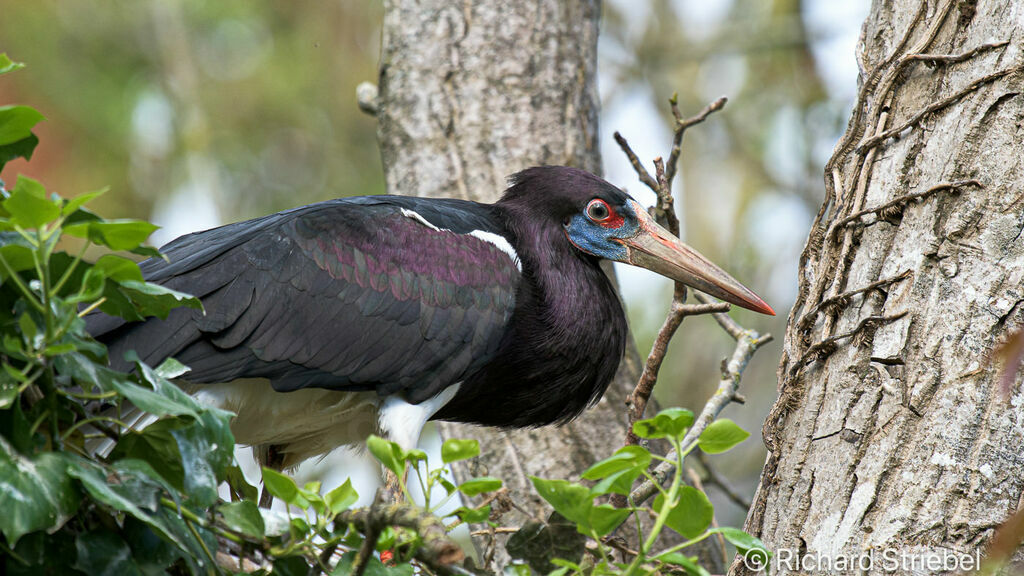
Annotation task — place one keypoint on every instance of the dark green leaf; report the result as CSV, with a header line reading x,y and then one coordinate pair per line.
x,y
114,234
480,485
35,494
21,149
387,453
16,123
341,497
243,517
104,553
539,543
455,449
145,299
240,485
6,65
28,205
207,449
290,566
692,515
721,435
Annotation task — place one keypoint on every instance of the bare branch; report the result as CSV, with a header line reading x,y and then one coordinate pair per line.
x,y
641,172
746,345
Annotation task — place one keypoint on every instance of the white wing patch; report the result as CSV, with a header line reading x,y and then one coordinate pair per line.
x,y
501,243
496,240
416,216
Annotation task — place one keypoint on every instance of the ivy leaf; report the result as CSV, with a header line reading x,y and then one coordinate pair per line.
x,y
721,435
28,205
455,449
104,553
16,122
540,543
688,564
244,517
207,449
21,149
114,234
35,493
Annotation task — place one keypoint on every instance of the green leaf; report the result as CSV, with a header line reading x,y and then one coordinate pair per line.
x,y
280,486
16,123
104,553
688,564
6,65
77,202
239,485
456,449
342,497
207,449
28,205
627,458
672,422
118,268
605,518
170,369
387,453
570,500
114,234
243,517
145,299
721,435
480,485
21,149
35,493
692,515
473,515
745,544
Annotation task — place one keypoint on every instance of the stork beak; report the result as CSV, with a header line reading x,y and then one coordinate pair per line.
x,y
656,249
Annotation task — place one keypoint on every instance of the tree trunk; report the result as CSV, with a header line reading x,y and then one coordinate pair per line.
x,y
469,94
890,435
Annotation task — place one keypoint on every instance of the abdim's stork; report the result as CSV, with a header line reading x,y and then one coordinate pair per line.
x,y
328,322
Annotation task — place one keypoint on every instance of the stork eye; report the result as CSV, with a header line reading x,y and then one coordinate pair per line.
x,y
598,210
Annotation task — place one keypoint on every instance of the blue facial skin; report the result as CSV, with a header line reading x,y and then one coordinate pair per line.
x,y
596,240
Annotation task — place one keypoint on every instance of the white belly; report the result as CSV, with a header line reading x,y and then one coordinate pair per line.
x,y
300,424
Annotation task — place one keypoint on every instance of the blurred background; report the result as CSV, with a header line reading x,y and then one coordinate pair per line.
x,y
201,113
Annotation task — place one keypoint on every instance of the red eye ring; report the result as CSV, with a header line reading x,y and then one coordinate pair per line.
x,y
598,210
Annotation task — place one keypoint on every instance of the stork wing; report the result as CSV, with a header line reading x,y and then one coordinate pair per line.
x,y
377,293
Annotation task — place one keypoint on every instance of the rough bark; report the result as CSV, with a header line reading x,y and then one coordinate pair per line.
x,y
890,432
469,94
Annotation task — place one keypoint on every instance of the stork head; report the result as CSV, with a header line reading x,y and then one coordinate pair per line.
x,y
600,220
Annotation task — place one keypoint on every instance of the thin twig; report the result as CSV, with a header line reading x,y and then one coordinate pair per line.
x,y
683,125
641,172
637,400
717,481
746,345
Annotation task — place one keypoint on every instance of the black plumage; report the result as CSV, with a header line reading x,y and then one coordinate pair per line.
x,y
405,298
